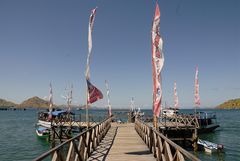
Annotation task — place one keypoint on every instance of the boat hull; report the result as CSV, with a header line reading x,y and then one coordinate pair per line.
x,y
209,147
207,129
42,133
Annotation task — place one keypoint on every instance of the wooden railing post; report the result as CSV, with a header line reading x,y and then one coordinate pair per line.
x,y
161,147
81,146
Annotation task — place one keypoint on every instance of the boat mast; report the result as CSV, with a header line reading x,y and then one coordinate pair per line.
x,y
69,101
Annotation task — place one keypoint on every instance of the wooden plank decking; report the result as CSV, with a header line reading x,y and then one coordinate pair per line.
x,y
122,143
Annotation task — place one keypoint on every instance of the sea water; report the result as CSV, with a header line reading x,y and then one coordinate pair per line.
x,y
18,140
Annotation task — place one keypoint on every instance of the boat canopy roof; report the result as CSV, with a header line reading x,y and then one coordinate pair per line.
x,y
207,115
57,113
41,128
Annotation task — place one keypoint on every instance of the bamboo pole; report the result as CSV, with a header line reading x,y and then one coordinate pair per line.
x,y
87,116
195,135
155,121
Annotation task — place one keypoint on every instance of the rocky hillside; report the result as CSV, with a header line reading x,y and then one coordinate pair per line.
x,y
34,102
230,104
5,103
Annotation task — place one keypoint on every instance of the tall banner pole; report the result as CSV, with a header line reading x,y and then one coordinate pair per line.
x,y
90,27
87,116
157,65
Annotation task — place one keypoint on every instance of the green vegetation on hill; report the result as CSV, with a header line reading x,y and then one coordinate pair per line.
x,y
234,103
5,103
34,102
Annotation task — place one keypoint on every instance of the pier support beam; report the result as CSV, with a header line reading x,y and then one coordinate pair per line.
x,y
195,139
155,122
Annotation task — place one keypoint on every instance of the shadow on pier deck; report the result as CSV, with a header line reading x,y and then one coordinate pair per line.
x,y
122,143
112,141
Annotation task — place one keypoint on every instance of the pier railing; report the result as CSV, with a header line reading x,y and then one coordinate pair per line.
x,y
186,120
80,147
162,147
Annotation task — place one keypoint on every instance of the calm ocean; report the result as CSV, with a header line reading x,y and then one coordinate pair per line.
x,y
18,141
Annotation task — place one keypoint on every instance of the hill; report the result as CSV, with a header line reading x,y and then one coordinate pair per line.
x,y
5,103
34,102
230,104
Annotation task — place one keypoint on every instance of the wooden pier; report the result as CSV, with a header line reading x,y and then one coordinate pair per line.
x,y
180,128
126,145
112,141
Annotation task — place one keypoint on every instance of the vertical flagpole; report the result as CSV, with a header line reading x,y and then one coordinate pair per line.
x,y
90,27
87,117
155,121
195,84
197,104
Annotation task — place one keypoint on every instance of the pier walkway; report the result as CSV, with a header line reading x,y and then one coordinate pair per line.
x,y
122,143
118,142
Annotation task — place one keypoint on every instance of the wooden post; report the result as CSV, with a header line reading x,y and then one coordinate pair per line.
x,y
53,144
87,117
195,135
155,122
195,139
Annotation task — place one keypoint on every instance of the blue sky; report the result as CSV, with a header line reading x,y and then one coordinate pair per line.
x,y
45,41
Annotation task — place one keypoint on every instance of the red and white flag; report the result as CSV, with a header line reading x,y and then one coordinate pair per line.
x,y
197,97
90,28
94,94
157,63
175,96
108,97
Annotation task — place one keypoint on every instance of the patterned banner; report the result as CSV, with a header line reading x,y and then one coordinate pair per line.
x,y
108,97
50,102
132,104
175,96
90,28
197,97
157,63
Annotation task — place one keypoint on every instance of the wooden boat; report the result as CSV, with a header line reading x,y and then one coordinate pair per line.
x,y
210,147
57,116
42,132
169,112
207,122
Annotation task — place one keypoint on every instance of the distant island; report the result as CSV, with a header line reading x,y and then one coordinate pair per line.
x,y
230,104
7,104
34,102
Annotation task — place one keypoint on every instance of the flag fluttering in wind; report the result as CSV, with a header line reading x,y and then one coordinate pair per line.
x,y
50,102
132,104
197,97
108,97
175,96
69,98
94,94
157,62
90,28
